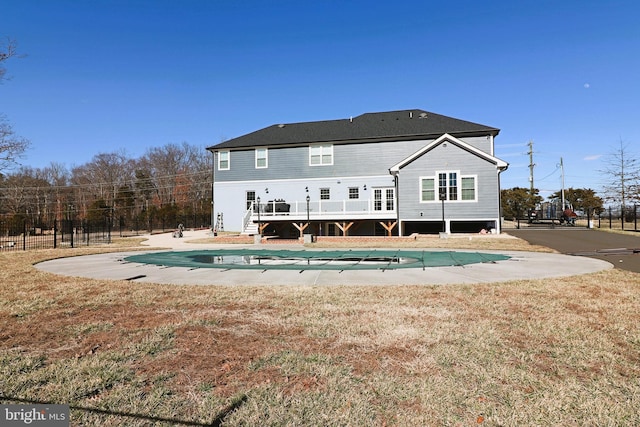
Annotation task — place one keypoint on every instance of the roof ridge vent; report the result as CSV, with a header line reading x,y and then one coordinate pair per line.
x,y
281,125
423,115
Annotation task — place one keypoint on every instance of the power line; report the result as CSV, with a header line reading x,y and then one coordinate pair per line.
x,y
130,181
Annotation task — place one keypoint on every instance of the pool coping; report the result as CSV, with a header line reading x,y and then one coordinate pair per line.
x,y
521,266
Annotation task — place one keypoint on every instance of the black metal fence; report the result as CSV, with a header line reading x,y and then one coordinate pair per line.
x,y
124,226
619,218
23,234
20,232
615,218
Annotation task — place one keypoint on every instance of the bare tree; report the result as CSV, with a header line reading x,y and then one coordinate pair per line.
x,y
60,194
622,171
180,175
7,50
101,179
25,194
12,146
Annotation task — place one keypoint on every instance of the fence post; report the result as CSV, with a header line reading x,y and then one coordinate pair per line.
x,y
24,235
609,217
55,233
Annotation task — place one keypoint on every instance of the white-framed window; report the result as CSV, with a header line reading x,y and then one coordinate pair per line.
x,y
390,198
384,199
320,155
262,158
448,185
354,192
428,189
224,160
325,193
468,188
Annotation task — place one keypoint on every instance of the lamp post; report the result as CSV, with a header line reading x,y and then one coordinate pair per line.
x,y
443,196
258,201
308,199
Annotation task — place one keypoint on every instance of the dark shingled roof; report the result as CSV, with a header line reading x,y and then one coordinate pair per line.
x,y
369,127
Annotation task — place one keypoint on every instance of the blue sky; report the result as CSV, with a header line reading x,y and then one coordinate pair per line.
x,y
103,76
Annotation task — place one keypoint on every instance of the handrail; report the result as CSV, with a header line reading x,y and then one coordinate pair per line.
x,y
247,217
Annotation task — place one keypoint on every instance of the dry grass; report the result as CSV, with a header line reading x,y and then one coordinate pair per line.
x,y
539,352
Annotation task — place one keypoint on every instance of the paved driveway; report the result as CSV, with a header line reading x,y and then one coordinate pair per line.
x,y
622,250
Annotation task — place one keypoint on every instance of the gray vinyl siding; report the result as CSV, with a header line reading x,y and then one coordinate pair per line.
x,y
449,158
293,162
482,143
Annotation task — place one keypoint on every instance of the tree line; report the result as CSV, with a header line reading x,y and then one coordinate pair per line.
x,y
168,185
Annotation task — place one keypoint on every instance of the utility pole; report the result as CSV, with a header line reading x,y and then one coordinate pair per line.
x,y
562,170
531,166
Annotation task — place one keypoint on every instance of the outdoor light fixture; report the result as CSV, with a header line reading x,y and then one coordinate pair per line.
x,y
308,199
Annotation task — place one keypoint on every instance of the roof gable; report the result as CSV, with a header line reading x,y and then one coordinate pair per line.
x,y
368,127
500,164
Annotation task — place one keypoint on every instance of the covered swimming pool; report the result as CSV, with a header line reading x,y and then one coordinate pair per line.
x,y
263,259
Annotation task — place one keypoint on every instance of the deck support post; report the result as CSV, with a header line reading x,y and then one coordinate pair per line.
x,y
301,227
344,227
261,227
389,226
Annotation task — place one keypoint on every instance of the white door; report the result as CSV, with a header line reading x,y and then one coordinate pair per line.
x,y
384,199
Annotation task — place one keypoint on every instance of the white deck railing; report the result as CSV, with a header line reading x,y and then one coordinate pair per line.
x,y
318,210
321,208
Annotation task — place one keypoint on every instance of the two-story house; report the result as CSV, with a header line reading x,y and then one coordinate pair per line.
x,y
390,173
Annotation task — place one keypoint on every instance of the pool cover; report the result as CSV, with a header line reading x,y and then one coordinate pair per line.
x,y
252,259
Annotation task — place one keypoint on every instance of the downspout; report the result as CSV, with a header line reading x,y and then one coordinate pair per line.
x,y
396,183
213,181
499,222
